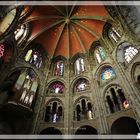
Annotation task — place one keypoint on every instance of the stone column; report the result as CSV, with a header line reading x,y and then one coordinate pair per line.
x,y
100,109
128,88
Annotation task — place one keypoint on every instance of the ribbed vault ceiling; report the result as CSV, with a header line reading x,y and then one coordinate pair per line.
x,y
66,30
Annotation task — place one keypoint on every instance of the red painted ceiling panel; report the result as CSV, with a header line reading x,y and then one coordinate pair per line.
x,y
84,23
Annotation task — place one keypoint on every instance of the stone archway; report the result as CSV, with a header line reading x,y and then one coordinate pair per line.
x,y
86,130
51,131
125,125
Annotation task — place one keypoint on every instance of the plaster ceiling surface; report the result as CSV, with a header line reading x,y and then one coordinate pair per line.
x,y
66,30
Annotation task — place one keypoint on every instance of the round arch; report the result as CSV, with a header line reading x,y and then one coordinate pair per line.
x,y
51,131
56,86
60,57
105,73
76,79
80,84
84,130
121,126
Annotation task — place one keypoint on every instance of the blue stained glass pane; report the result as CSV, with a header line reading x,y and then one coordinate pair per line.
x,y
107,74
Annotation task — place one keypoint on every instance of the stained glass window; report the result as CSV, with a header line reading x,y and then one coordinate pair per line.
x,y
99,53
108,73
114,34
81,85
129,53
56,87
59,68
79,65
19,32
34,57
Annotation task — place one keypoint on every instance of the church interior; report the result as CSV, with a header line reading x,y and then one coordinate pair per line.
x,y
69,69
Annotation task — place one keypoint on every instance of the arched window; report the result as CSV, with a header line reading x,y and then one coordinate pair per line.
x,y
54,112
79,65
107,73
116,99
26,87
114,34
34,57
83,110
126,52
56,87
99,54
59,68
21,32
81,84
129,53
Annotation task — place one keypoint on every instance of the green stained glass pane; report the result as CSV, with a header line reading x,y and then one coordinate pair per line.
x,y
102,52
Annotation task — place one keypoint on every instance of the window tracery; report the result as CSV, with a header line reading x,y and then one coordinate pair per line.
x,y
26,86
126,53
83,110
114,34
54,112
116,99
129,53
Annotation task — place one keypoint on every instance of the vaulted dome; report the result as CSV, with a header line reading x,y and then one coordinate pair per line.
x,y
66,30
